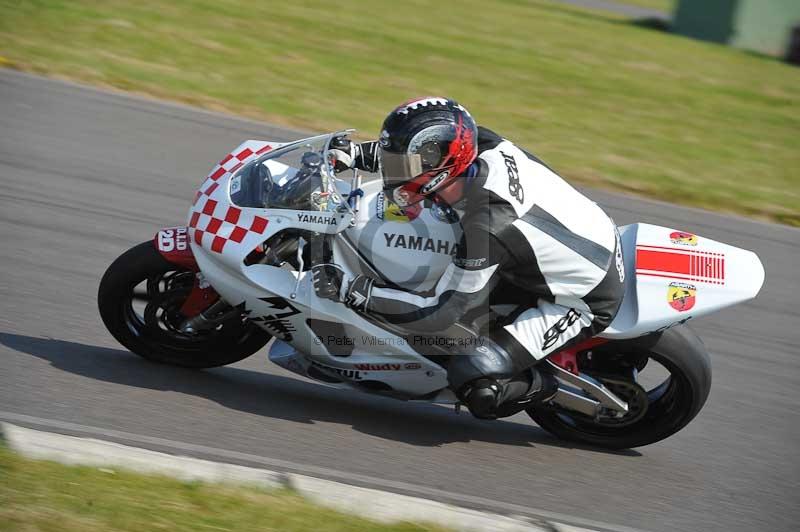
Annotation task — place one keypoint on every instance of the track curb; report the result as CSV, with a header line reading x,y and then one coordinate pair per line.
x,y
378,505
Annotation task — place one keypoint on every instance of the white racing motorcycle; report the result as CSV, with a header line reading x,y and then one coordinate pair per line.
x,y
217,290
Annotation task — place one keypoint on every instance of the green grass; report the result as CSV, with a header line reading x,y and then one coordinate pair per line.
x,y
605,102
662,5
45,497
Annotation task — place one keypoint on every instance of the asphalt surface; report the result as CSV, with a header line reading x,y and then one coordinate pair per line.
x,y
619,8
87,174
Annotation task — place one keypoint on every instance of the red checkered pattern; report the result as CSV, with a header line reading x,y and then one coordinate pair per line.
x,y
222,230
228,165
212,217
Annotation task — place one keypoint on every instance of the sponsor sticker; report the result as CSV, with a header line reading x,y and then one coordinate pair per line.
x,y
683,239
349,374
420,243
618,258
386,209
681,296
435,182
316,219
236,184
277,322
469,263
172,240
380,205
394,213
514,186
553,333
378,367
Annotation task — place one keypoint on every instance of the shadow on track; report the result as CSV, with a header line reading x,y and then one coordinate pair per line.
x,y
286,398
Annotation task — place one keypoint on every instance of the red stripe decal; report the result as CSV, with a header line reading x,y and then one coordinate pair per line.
x,y
238,234
211,189
244,154
209,207
689,265
677,276
259,224
232,216
219,172
661,261
213,225
218,244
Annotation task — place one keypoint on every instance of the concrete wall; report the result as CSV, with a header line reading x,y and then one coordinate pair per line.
x,y
759,25
765,25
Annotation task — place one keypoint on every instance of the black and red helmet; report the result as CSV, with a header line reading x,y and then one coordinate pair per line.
x,y
426,145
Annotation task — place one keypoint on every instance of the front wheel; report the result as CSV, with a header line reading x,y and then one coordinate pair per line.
x,y
140,297
656,412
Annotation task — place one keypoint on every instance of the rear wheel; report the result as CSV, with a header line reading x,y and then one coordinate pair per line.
x,y
140,297
656,410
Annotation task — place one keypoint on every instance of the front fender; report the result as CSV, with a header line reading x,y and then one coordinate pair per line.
x,y
173,244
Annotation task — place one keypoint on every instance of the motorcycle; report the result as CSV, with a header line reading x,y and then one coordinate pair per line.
x,y
237,276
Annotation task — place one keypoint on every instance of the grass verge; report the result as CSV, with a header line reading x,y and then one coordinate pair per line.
x,y
662,5
45,496
605,102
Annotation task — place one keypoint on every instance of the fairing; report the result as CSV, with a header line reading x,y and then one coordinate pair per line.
x,y
673,276
283,301
670,276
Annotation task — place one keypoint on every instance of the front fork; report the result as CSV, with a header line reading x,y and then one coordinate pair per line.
x,y
203,308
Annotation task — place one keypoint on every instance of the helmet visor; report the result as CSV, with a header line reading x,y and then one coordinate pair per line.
x,y
398,168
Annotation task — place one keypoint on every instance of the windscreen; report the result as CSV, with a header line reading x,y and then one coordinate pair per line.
x,y
292,177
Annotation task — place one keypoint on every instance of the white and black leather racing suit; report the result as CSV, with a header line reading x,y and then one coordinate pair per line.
x,y
529,239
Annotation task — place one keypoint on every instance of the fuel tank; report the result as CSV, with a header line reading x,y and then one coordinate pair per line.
x,y
410,248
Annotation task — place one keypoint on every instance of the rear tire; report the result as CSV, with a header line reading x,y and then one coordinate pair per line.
x,y
152,333
677,401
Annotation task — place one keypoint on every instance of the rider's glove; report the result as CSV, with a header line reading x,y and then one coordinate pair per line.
x,y
328,280
359,292
344,152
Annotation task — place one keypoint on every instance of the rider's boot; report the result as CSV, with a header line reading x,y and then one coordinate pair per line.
x,y
535,389
486,380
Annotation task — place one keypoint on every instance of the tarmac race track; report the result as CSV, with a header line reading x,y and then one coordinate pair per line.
x,y
87,174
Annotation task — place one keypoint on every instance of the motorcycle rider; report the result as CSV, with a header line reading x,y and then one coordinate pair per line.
x,y
528,238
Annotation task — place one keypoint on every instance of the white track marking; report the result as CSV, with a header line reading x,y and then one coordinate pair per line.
x,y
470,501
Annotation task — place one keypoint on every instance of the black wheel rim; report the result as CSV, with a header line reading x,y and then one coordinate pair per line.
x,y
665,399
151,312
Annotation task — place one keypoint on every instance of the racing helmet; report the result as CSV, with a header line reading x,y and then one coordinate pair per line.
x,y
426,144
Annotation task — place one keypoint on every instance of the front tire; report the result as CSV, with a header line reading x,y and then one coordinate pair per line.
x,y
145,319
671,405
